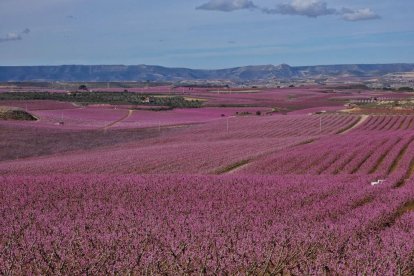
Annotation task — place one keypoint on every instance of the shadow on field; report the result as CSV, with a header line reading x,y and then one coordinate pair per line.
x,y
23,142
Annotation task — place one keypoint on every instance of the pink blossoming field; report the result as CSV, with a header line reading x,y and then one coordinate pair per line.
x,y
267,182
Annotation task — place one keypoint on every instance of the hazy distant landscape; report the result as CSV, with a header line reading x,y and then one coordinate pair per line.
x,y
210,137
105,73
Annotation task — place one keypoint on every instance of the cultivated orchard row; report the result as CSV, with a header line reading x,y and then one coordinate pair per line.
x,y
207,148
102,224
294,144
388,123
353,153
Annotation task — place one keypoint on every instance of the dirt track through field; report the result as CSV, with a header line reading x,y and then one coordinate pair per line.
x,y
119,120
232,168
360,122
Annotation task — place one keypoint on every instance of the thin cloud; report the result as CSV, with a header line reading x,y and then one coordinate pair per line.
x,y
358,15
26,31
11,37
227,5
309,8
14,36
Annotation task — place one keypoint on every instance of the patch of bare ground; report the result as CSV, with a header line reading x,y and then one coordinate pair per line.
x,y
402,122
15,114
310,141
323,169
358,166
382,157
233,167
405,208
347,161
362,202
397,160
407,176
239,165
410,126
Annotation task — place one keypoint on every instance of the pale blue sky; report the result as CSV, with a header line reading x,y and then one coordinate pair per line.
x,y
205,34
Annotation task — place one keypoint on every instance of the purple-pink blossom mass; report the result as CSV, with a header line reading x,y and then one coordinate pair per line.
x,y
207,137
265,181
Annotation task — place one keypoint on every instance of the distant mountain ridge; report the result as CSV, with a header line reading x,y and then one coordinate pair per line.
x,y
159,73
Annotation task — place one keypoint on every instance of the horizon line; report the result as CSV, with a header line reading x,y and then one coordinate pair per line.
x,y
222,68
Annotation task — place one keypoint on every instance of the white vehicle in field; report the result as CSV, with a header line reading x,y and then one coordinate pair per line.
x,y
379,181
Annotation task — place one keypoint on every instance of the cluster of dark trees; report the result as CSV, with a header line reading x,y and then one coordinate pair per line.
x,y
104,97
16,114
